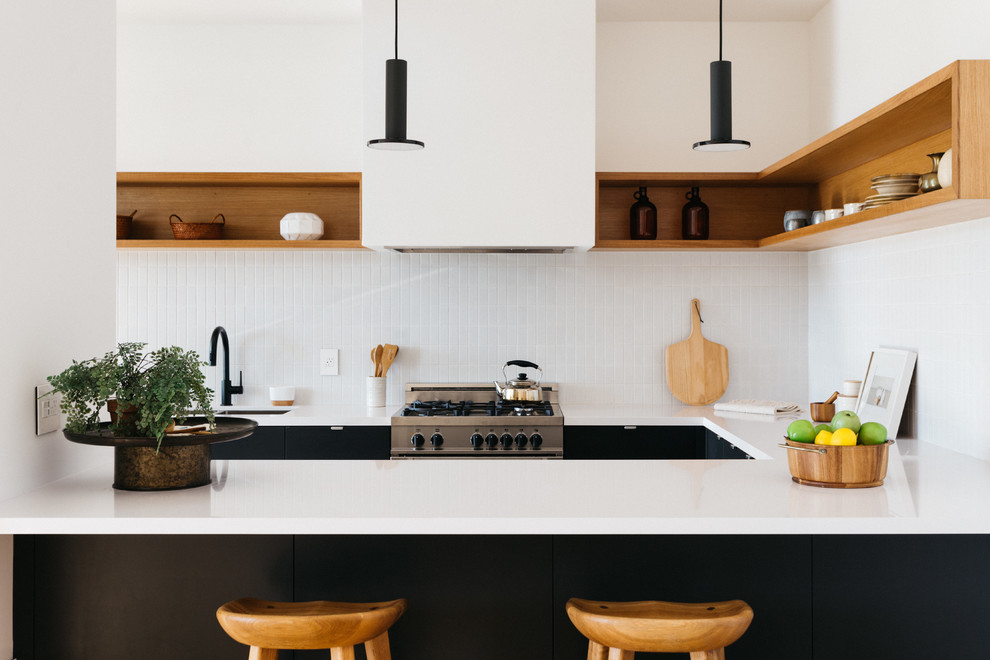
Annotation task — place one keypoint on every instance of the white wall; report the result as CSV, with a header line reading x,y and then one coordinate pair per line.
x,y
598,323
239,97
57,168
653,94
927,290
503,95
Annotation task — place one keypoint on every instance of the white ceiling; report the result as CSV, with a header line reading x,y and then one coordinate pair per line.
x,y
707,10
238,11
294,11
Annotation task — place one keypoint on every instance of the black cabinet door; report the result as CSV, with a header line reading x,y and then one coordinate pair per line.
x,y
633,442
470,597
154,597
718,447
337,442
899,596
771,573
267,442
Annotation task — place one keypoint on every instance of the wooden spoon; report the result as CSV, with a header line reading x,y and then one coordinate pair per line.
x,y
376,358
391,350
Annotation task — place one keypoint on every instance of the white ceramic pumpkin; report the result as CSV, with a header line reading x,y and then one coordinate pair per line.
x,y
301,227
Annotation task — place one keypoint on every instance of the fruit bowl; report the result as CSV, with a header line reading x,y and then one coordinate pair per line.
x,y
834,466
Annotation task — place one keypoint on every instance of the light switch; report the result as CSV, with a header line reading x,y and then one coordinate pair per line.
x,y
47,410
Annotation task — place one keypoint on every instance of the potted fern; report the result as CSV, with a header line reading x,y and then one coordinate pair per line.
x,y
146,393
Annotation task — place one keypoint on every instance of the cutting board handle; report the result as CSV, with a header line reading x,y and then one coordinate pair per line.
x,y
696,319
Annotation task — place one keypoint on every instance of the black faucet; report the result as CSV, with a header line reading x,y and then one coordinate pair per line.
x,y
226,387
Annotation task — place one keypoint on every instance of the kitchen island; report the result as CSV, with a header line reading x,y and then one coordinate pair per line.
x,y
509,541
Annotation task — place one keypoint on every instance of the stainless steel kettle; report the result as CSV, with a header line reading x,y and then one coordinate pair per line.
x,y
520,388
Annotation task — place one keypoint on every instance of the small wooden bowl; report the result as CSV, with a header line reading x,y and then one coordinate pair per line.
x,y
834,466
822,412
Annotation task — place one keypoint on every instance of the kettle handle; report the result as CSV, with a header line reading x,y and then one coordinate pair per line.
x,y
522,363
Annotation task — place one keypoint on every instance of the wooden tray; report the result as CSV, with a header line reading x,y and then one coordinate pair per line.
x,y
228,428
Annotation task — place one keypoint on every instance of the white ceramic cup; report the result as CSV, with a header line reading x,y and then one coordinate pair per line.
x,y
282,395
845,403
376,391
851,387
832,214
852,207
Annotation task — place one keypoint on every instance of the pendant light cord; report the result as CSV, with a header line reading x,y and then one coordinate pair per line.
x,y
397,30
719,29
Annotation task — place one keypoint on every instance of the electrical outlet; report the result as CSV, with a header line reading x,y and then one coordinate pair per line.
x,y
329,361
47,410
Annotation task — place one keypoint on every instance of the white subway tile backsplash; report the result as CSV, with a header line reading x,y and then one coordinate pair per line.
x,y
597,323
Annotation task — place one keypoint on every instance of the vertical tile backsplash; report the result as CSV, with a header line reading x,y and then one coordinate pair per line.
x,y
598,323
926,291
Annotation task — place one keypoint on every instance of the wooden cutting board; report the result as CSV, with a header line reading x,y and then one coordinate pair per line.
x,y
697,369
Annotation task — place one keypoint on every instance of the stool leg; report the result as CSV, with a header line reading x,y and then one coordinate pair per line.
x,y
620,654
342,653
714,654
377,648
596,651
258,653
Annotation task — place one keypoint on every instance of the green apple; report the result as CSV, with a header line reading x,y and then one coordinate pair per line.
x,y
872,433
846,419
801,430
823,427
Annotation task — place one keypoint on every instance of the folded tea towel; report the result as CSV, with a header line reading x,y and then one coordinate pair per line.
x,y
757,407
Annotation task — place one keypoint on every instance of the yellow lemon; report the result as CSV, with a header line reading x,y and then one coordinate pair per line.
x,y
844,436
823,438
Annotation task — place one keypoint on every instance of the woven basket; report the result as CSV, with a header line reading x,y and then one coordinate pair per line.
x,y
197,230
124,225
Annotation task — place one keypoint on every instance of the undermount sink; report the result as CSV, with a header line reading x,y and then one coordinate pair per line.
x,y
252,412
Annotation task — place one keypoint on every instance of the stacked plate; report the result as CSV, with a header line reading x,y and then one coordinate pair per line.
x,y
891,188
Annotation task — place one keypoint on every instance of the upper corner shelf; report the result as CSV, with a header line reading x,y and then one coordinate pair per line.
x,y
251,202
943,110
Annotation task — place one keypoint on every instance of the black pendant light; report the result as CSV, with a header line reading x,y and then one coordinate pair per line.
x,y
721,91
395,103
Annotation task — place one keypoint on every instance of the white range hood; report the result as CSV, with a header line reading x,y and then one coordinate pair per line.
x,y
503,95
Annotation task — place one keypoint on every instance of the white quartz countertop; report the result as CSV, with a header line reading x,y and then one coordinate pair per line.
x,y
927,490
340,414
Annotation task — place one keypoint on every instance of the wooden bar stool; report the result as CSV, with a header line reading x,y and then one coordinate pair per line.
x,y
616,631
269,626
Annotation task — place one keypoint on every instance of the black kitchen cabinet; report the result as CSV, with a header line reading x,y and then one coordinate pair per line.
x,y
476,597
337,442
120,597
117,597
267,442
764,571
645,443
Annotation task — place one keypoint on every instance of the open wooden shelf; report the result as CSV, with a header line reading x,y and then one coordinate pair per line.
x,y
947,109
253,203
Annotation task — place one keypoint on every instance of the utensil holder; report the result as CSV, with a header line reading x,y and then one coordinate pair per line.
x,y
376,391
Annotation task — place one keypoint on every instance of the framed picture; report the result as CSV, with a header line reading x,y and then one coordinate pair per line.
x,y
884,391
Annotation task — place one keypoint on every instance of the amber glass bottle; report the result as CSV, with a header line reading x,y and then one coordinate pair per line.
x,y
642,217
694,217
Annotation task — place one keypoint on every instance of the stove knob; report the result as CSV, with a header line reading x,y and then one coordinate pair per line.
x,y
491,440
536,440
476,440
505,440
436,440
521,440
417,440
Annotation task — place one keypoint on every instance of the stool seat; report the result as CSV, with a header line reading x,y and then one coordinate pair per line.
x,y
655,626
317,624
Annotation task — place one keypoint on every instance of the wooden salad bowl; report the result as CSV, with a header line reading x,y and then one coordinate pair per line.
x,y
835,466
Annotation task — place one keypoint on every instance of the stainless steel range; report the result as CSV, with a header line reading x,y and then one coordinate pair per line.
x,y
471,421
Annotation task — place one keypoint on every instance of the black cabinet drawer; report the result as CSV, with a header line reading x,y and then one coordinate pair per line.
x,y
337,442
634,442
267,442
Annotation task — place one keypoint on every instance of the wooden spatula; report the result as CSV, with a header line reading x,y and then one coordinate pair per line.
x,y
697,369
388,355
